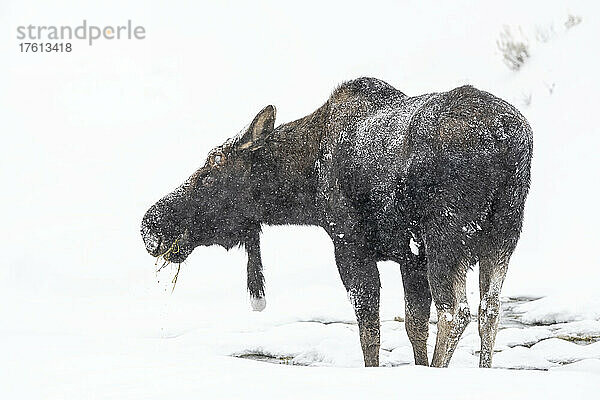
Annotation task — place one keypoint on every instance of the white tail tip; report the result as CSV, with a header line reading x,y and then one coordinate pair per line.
x,y
258,303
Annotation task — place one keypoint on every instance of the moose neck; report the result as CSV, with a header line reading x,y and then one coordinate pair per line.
x,y
288,184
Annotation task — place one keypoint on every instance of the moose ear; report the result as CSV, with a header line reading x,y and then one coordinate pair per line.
x,y
259,129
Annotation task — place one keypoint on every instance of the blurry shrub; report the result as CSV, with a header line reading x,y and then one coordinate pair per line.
x,y
572,20
515,50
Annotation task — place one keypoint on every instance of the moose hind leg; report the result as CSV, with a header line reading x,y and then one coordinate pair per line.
x,y
491,277
449,294
361,280
417,300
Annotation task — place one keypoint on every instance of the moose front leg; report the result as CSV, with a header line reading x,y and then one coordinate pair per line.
x,y
361,279
256,280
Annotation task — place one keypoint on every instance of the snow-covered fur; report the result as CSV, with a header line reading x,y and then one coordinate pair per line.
x,y
436,183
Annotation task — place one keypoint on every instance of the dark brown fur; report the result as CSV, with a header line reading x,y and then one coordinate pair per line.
x,y
376,169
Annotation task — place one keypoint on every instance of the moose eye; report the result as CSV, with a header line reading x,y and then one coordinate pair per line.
x,y
208,180
219,159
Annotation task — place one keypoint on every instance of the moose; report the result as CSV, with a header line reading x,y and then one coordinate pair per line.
x,y
436,183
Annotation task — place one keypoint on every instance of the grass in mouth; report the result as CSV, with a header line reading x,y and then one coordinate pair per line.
x,y
174,249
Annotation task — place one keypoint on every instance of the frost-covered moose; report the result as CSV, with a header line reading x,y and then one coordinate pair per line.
x,y
379,171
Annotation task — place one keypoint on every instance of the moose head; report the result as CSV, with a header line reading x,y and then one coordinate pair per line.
x,y
216,205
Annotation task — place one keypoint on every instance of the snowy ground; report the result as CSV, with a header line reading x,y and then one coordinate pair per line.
x,y
152,344
91,140
519,344
119,358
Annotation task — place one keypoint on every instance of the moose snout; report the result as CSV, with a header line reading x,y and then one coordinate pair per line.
x,y
152,240
164,224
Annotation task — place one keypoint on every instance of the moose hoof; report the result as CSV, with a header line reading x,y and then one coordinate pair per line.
x,y
258,303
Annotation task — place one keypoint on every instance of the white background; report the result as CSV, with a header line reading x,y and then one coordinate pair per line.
x,y
92,138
